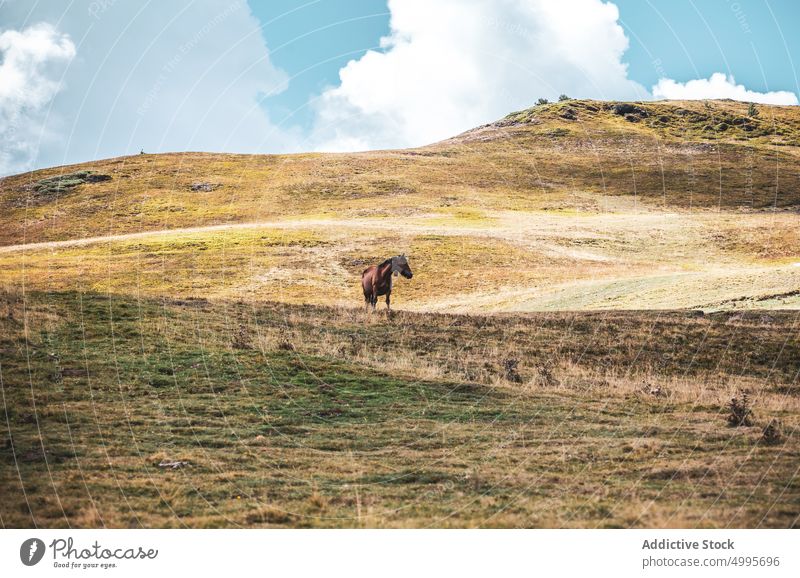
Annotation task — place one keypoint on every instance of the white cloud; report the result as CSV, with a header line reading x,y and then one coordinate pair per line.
x,y
450,65
158,76
32,62
718,86
193,76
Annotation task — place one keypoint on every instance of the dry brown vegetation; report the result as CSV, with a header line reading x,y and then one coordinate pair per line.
x,y
571,205
594,284
511,261
573,155
283,415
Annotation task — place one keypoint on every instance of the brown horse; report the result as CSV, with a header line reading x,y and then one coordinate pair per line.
x,y
376,280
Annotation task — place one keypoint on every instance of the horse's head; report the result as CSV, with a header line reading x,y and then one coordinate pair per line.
x,y
400,265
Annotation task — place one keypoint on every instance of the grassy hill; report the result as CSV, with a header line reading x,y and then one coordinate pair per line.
x,y
573,155
573,205
548,365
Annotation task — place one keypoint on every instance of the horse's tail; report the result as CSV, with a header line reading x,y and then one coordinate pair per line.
x,y
366,283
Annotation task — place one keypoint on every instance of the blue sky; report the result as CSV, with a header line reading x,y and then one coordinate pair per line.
x,y
682,39
99,78
312,40
752,40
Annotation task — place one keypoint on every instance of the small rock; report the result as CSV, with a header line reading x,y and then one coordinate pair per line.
x,y
172,464
205,187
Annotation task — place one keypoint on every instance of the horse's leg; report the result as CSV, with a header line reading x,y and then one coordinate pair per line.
x,y
374,296
388,305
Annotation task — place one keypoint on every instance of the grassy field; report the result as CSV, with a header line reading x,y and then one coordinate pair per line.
x,y
500,262
307,416
593,284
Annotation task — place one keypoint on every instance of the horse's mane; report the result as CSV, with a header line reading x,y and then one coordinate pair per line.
x,y
389,260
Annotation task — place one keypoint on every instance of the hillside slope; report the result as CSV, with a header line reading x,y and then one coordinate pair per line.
x,y
570,205
575,154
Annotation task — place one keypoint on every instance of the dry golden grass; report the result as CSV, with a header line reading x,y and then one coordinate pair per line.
x,y
143,322
535,160
522,262
298,416
573,205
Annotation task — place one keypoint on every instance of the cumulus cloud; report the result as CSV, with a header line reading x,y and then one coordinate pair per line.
x,y
450,65
32,62
718,86
159,77
117,77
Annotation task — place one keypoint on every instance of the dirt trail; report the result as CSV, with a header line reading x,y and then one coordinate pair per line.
x,y
503,230
529,229
145,234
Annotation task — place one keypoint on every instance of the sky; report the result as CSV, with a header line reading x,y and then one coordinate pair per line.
x,y
89,79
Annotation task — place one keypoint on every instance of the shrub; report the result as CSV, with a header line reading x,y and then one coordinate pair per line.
x,y
510,371
286,345
563,97
653,389
547,377
241,338
773,433
542,101
626,108
569,114
61,183
752,110
51,188
741,414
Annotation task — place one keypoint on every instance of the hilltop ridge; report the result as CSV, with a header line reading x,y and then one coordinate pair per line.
x,y
576,154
